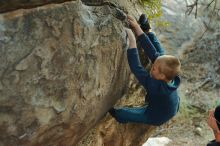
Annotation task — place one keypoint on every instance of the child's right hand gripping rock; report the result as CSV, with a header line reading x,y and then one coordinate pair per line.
x,y
134,25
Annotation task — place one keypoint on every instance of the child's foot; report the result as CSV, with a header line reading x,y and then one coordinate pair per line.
x,y
144,22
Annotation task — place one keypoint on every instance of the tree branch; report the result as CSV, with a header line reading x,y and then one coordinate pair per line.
x,y
191,7
210,4
210,20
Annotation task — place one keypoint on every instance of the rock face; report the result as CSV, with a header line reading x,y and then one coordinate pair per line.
x,y
111,133
62,67
10,5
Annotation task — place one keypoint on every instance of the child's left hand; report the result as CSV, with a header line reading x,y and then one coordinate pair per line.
x,y
131,37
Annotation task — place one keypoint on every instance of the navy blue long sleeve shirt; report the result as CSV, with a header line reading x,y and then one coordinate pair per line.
x,y
163,97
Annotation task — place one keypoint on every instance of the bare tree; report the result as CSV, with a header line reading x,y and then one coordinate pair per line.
x,y
195,4
209,6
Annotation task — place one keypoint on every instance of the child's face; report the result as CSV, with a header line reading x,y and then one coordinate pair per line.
x,y
156,70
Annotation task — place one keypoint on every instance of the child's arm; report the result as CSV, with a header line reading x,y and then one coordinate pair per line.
x,y
134,61
146,44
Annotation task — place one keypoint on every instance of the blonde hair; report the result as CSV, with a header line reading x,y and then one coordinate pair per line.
x,y
171,66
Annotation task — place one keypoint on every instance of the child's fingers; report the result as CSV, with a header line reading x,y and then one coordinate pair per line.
x,y
129,16
129,32
131,22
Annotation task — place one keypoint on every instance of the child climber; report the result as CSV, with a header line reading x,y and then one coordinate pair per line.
x,y
161,82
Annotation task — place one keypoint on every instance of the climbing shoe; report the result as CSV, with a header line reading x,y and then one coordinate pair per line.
x,y
144,22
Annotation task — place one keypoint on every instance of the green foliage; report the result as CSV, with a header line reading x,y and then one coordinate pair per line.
x,y
186,111
190,110
161,23
154,8
154,11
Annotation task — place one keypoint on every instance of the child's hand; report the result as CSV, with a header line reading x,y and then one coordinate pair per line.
x,y
134,25
131,37
132,21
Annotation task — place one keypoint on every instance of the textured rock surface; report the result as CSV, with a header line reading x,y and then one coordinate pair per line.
x,y
111,133
10,5
62,67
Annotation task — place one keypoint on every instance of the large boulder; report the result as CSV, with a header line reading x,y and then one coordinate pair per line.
x,y
62,67
10,5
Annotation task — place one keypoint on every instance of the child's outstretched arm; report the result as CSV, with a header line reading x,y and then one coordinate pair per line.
x,y
146,44
134,61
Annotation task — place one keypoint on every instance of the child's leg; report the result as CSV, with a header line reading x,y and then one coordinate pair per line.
x,y
136,115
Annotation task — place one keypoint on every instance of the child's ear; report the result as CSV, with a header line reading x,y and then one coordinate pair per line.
x,y
162,76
